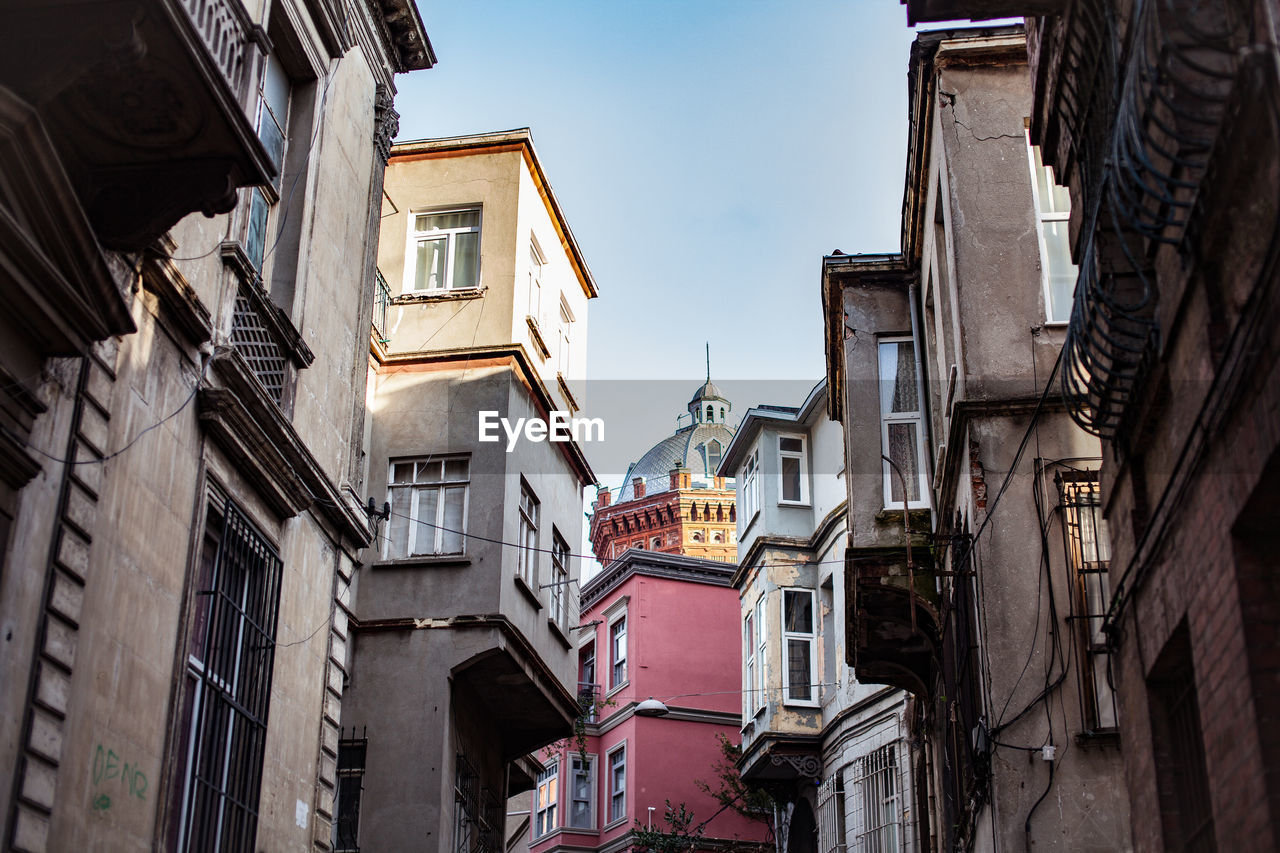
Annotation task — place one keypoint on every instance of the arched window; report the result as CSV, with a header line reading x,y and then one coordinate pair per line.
x,y
717,538
711,413
696,536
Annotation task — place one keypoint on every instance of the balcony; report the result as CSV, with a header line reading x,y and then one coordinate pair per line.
x,y
1134,141
148,105
893,627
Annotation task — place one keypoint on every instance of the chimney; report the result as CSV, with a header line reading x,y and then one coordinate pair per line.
x,y
719,483
602,498
637,487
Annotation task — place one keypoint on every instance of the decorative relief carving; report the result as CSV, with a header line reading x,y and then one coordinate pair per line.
x,y
805,765
386,121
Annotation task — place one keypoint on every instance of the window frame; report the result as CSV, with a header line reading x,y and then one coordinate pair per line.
x,y
811,637
528,520
749,662
537,264
614,682
749,497
590,766
564,345
1035,161
437,526
414,237
614,792
875,767
802,457
889,418
550,809
1080,498
762,654
558,611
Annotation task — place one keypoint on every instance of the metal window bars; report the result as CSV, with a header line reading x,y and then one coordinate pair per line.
x,y
233,688
254,339
879,802
466,806
831,825
351,765
381,308
1089,560
1140,180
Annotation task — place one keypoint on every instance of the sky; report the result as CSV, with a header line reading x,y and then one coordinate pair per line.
x,y
706,154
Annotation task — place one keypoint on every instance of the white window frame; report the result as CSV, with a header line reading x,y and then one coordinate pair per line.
x,y
810,637
565,344
527,536
450,237
546,811
537,262
575,761
801,456
1037,164
749,497
434,528
749,662
614,659
615,791
887,418
873,769
559,610
762,654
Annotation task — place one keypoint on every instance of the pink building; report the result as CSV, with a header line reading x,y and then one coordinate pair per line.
x,y
667,628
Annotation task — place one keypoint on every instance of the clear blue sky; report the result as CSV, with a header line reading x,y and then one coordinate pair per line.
x,y
706,154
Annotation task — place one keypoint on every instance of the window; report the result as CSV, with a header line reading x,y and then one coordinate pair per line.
x,y
1053,211
618,651
749,495
466,807
902,428
444,248
273,123
566,337
428,506
712,454
762,650
346,822
527,538
535,280
831,825
880,824
618,784
1089,559
588,689
749,667
1178,748
548,795
793,479
560,580
798,645
655,543
582,792
227,688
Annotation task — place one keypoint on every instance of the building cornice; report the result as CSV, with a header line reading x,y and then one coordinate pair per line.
x,y
831,525
500,355
654,564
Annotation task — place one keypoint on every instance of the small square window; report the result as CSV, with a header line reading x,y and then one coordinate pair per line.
x,y
444,251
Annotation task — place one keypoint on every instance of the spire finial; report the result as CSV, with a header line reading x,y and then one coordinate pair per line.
x,y
708,361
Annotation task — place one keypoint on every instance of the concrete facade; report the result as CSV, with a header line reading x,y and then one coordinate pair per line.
x,y
183,408
1002,662
463,653
678,619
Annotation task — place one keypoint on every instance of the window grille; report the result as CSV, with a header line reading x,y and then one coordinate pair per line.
x,y
1089,557
466,806
1178,741
831,820
351,763
252,338
489,837
381,307
229,669
880,824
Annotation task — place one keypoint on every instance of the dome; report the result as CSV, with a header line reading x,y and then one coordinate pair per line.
x,y
699,447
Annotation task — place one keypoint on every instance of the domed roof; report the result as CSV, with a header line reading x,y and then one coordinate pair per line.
x,y
707,391
698,447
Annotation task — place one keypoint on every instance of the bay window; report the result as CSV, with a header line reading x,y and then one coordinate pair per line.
x,y
1053,214
793,480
